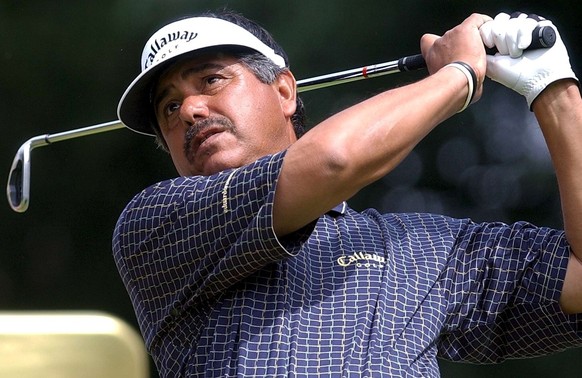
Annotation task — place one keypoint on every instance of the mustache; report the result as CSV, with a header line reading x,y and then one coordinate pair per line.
x,y
200,125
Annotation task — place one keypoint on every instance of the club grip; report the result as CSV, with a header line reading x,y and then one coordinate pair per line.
x,y
542,37
411,63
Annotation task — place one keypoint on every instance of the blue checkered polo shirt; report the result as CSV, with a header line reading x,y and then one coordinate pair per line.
x,y
216,294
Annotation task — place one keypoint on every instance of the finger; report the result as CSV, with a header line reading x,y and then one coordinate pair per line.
x,y
497,71
502,17
486,34
499,31
478,19
524,25
511,38
426,42
525,32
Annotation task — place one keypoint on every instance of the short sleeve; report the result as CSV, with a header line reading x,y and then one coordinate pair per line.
x,y
184,241
504,284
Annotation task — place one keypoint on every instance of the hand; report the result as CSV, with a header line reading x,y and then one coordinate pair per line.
x,y
462,43
526,72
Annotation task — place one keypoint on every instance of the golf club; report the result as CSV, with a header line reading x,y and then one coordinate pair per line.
x,y
18,187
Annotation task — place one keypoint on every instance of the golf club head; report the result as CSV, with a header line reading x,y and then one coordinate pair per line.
x,y
18,187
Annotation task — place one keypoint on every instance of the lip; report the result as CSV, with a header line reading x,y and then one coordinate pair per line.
x,y
203,137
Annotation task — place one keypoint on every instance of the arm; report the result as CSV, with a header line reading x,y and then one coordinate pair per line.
x,y
363,143
545,78
559,113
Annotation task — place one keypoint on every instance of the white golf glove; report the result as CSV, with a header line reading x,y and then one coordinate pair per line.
x,y
526,72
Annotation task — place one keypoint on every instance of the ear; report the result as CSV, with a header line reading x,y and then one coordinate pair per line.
x,y
287,89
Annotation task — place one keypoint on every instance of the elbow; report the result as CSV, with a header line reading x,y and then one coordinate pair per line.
x,y
343,168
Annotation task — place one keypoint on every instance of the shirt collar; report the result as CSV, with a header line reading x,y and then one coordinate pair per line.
x,y
339,209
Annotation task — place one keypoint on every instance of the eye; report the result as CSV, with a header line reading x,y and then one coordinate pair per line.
x,y
212,79
170,108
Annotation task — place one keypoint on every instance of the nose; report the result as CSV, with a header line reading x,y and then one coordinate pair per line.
x,y
194,108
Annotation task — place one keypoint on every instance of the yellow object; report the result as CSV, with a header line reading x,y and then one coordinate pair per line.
x,y
69,344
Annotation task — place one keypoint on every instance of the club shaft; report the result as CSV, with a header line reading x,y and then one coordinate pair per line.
x,y
18,187
409,63
304,85
84,131
542,37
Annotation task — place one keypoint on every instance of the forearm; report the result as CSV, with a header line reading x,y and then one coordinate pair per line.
x,y
374,136
559,113
363,143
360,145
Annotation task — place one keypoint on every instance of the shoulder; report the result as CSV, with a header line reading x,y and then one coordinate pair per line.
x,y
185,187
420,224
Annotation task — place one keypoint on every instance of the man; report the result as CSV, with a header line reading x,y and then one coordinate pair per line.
x,y
251,263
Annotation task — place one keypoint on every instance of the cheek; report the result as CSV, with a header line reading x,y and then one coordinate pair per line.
x,y
266,114
175,141
180,162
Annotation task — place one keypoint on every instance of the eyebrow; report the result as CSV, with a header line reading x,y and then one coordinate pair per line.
x,y
184,75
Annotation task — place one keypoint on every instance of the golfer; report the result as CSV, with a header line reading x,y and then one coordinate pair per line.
x,y
251,263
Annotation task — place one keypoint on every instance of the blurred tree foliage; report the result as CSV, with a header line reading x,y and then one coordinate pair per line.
x,y
65,65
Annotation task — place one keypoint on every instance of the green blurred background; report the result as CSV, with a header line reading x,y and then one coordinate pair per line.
x,y
65,64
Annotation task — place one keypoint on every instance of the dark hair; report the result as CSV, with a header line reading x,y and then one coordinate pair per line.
x,y
262,67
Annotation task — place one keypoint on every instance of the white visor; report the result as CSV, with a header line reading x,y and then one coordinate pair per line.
x,y
174,40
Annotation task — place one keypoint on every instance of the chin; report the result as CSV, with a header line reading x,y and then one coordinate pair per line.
x,y
218,165
212,168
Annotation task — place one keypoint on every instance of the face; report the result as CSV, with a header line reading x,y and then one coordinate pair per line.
x,y
215,114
